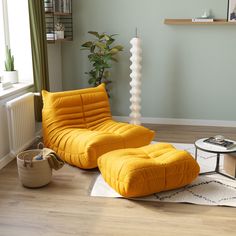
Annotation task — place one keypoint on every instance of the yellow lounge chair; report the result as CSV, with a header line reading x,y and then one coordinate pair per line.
x,y
78,126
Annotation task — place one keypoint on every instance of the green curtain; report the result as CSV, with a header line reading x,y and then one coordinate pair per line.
x,y
39,51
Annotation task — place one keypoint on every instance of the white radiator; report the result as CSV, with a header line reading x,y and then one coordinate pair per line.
x,y
21,122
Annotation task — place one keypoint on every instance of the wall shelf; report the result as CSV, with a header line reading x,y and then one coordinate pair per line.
x,y
58,11
60,40
189,22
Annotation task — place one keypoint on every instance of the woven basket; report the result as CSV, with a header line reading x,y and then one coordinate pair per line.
x,y
33,173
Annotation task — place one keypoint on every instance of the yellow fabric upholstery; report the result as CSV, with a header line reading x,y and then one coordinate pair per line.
x,y
150,169
78,126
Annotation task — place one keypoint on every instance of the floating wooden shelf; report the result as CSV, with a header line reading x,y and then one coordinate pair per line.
x,y
189,22
60,40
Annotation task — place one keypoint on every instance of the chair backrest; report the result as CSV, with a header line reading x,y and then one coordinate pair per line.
x,y
84,108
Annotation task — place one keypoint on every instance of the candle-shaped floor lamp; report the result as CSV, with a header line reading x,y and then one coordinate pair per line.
x,y
135,83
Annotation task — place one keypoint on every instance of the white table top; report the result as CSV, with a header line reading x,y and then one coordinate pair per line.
x,y
213,148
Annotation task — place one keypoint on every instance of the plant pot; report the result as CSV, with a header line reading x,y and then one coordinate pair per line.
x,y
59,34
10,76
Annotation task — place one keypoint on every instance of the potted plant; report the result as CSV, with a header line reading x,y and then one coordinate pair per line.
x,y
10,74
59,30
102,54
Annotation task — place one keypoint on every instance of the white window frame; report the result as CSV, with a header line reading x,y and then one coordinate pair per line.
x,y
23,84
5,23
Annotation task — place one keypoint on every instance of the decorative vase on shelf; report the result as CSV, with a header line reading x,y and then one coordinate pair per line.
x,y
59,30
59,34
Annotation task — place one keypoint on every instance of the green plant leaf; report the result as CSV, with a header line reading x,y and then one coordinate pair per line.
x,y
110,41
9,63
107,57
91,80
101,36
94,33
87,44
107,74
100,45
107,37
112,35
113,51
92,48
119,47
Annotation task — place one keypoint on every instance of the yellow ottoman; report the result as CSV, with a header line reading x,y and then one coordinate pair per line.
x,y
142,171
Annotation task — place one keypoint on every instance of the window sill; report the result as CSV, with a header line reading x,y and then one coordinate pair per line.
x,y
16,88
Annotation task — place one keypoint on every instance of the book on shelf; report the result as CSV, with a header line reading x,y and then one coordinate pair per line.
x,y
225,143
51,36
63,6
202,20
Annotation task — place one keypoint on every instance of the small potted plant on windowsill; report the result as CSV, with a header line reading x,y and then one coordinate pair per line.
x,y
59,30
10,74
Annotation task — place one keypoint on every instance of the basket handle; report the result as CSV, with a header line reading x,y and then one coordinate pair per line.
x,y
40,145
27,162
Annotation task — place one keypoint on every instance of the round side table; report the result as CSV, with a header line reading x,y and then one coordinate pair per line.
x,y
218,150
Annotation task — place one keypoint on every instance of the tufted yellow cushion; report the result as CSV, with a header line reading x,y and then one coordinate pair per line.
x,y
142,171
78,126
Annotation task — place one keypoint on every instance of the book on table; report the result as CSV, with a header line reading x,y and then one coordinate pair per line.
x,y
221,142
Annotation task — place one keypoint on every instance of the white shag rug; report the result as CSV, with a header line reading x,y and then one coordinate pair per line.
x,y
205,190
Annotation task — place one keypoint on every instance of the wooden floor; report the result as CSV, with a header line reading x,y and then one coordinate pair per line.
x,y
64,207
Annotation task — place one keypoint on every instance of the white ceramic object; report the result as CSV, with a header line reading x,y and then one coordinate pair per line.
x,y
59,34
10,76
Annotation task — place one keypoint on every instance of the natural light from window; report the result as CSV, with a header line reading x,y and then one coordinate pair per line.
x,y
2,43
18,39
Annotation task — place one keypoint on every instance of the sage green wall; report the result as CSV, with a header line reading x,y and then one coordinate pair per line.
x,y
188,71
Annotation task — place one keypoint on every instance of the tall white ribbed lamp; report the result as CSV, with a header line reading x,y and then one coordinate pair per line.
x,y
135,83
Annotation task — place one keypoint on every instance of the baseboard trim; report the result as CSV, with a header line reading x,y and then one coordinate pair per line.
x,y
6,159
146,120
173,121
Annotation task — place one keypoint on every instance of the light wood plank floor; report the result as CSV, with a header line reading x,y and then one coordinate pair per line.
x,y
64,207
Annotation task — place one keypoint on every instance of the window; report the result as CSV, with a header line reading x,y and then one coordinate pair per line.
x,y
2,41
15,32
